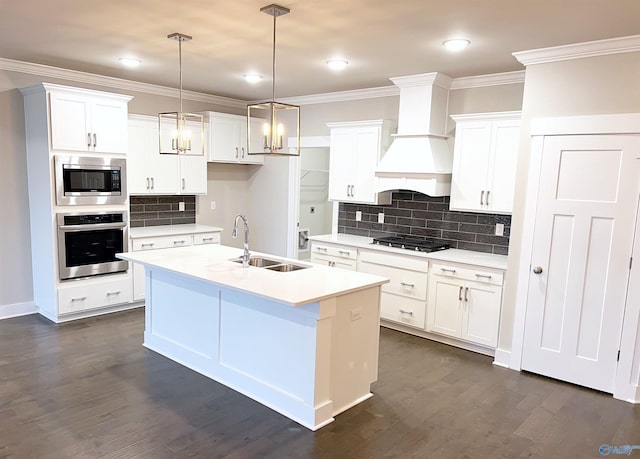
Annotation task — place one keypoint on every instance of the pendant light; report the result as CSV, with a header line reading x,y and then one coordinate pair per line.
x,y
270,123
181,133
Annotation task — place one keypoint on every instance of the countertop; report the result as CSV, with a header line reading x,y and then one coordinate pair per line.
x,y
171,230
487,260
212,263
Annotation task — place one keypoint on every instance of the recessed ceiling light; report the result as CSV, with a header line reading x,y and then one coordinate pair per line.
x,y
337,64
456,44
130,61
252,78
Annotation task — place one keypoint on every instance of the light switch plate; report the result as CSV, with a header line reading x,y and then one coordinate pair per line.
x,y
358,215
181,206
499,229
380,217
213,205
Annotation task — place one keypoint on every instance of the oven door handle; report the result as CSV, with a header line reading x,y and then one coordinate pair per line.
x,y
92,226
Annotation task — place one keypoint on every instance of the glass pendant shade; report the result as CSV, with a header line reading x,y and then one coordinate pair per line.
x,y
273,127
181,133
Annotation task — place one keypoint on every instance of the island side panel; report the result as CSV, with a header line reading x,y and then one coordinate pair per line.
x,y
182,319
354,347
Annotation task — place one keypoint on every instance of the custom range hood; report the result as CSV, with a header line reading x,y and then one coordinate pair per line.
x,y
419,158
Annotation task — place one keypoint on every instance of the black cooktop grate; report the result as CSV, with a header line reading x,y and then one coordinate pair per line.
x,y
409,243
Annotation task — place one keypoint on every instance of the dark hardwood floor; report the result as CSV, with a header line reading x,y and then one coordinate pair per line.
x,y
88,389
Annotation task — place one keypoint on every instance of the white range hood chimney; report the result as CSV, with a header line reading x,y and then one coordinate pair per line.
x,y
419,159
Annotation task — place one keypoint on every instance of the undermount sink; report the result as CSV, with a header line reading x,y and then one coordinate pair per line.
x,y
259,262
286,267
268,263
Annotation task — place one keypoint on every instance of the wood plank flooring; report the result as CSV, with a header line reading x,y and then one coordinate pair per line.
x,y
88,389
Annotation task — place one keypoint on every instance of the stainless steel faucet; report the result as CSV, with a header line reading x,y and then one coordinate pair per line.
x,y
234,234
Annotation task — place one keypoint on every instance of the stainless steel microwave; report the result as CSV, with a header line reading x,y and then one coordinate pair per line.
x,y
87,180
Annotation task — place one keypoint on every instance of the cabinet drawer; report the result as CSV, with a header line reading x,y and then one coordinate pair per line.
x,y
468,272
334,250
403,310
396,260
403,281
90,295
206,238
162,242
335,262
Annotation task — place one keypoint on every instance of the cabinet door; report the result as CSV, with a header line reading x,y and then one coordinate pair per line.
x,y
444,306
109,125
341,169
367,152
225,133
505,138
70,122
193,174
482,313
148,171
470,165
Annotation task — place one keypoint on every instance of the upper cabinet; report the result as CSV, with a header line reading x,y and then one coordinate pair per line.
x,y
484,162
83,120
228,139
355,151
149,172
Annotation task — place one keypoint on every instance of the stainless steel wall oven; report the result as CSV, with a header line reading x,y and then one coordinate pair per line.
x,y
88,243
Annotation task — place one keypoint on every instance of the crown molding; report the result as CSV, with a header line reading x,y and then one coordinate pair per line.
x,y
579,50
494,79
343,96
111,82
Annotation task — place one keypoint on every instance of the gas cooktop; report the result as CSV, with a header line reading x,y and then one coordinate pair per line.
x,y
419,245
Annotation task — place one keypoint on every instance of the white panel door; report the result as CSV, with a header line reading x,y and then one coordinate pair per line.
x,y
582,245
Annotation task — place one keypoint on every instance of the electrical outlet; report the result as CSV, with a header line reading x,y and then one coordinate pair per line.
x,y
213,205
380,217
358,215
499,229
181,206
356,314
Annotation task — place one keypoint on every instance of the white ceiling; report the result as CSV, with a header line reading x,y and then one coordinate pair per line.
x,y
380,39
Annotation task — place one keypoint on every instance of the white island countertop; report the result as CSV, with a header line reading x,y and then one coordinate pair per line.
x,y
212,263
171,230
488,260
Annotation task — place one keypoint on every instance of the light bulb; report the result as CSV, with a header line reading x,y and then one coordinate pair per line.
x,y
337,64
456,44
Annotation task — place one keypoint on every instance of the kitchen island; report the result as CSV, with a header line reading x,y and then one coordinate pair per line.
x,y
302,342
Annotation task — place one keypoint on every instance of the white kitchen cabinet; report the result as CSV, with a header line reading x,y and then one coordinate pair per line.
x,y
149,172
464,302
165,241
403,299
83,120
355,150
228,139
484,162
94,293
334,255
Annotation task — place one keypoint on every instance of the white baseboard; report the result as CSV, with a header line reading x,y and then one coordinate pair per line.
x,y
502,358
17,309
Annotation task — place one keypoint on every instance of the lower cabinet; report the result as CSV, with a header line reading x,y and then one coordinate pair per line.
x,y
164,242
464,302
334,255
94,293
404,297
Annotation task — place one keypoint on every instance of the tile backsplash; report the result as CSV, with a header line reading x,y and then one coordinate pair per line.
x,y
418,215
161,210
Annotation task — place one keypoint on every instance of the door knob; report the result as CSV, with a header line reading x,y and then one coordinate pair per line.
x,y
537,269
